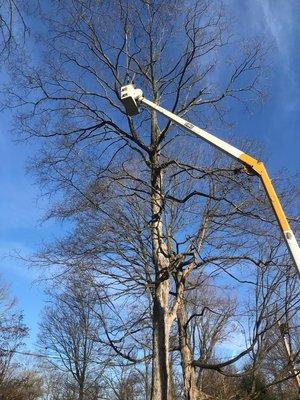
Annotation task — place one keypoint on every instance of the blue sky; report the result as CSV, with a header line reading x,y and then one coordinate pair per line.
x,y
276,124
21,231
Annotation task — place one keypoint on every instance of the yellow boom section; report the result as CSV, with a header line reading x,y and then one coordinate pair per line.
x,y
259,168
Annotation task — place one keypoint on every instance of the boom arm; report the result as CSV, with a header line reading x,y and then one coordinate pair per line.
x,y
132,98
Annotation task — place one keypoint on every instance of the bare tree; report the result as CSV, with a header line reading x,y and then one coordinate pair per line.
x,y
67,335
276,355
26,385
203,323
12,26
148,215
12,332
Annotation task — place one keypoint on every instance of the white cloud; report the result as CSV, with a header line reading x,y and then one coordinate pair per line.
x,y
278,18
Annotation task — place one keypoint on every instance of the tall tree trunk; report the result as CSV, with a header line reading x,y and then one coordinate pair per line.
x,y
191,389
161,379
161,382
81,391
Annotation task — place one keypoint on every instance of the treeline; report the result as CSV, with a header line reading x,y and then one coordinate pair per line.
x,y
78,357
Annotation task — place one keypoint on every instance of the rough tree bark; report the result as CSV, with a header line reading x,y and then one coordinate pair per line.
x,y
161,381
192,391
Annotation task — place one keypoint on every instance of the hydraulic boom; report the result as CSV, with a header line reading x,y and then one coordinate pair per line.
x,y
133,98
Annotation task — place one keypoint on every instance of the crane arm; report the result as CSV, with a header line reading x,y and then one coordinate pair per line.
x,y
132,98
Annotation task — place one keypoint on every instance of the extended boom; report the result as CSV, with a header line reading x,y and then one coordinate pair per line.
x,y
133,98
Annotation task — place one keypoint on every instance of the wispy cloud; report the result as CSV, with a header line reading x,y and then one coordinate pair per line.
x,y
279,19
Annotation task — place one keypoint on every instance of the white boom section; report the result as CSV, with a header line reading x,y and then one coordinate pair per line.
x,y
208,137
132,98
